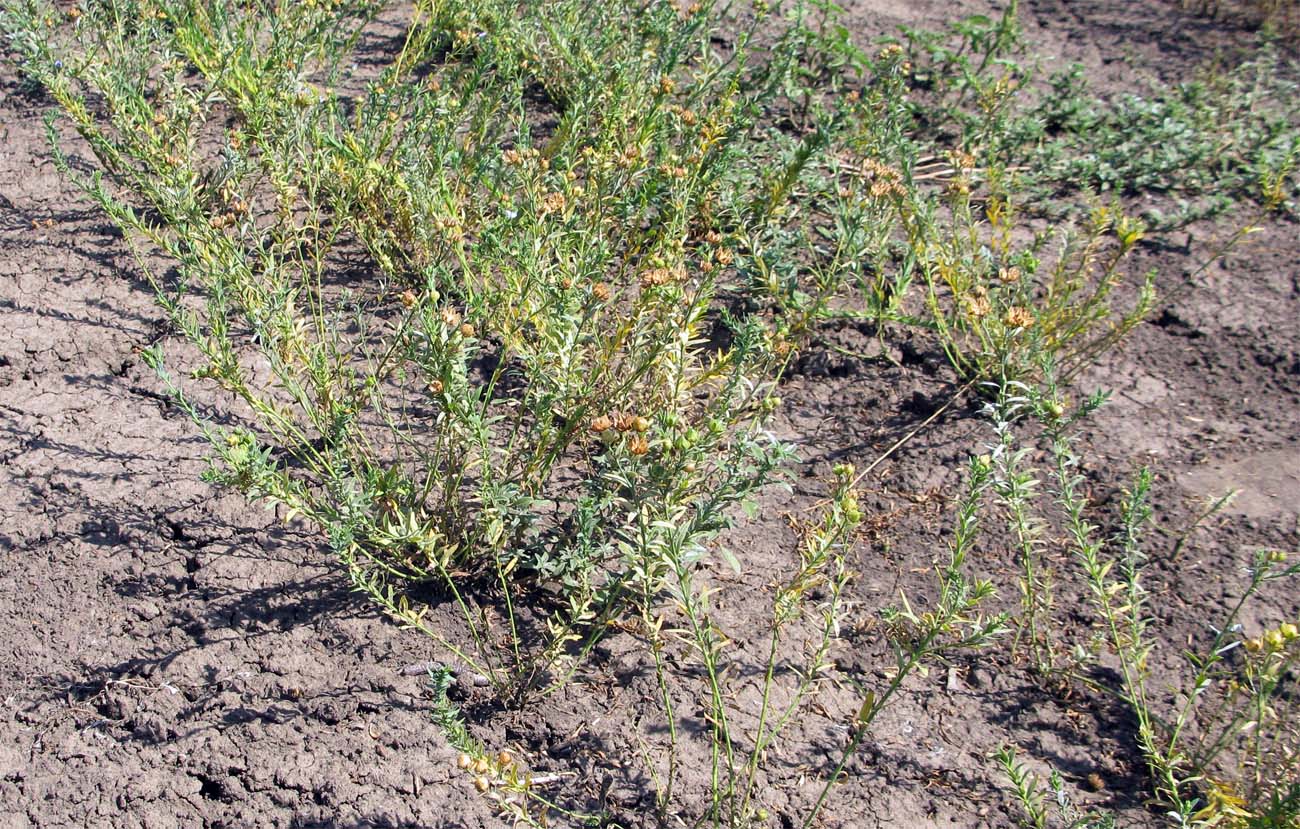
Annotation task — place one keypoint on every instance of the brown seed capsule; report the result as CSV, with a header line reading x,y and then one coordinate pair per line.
x,y
450,317
464,761
436,388
481,783
654,277
977,306
466,330
600,291
552,203
1017,317
638,446
481,766
640,424
1095,782
504,759
602,424
408,298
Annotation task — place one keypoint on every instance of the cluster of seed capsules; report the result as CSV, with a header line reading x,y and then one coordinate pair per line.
x,y
609,427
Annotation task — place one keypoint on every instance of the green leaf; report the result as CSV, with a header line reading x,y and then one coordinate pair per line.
x,y
730,558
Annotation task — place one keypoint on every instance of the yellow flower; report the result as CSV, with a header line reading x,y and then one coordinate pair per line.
x,y
1221,801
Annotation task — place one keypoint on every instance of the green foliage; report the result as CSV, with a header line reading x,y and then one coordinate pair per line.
x,y
502,310
1033,801
807,609
920,638
472,331
1223,752
1204,146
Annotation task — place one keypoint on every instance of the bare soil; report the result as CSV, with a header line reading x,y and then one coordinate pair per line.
x,y
175,657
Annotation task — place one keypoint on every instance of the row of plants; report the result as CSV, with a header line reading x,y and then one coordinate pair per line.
x,y
503,310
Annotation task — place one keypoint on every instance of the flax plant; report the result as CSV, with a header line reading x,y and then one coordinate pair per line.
x,y
1017,485
807,608
462,314
956,623
1223,753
